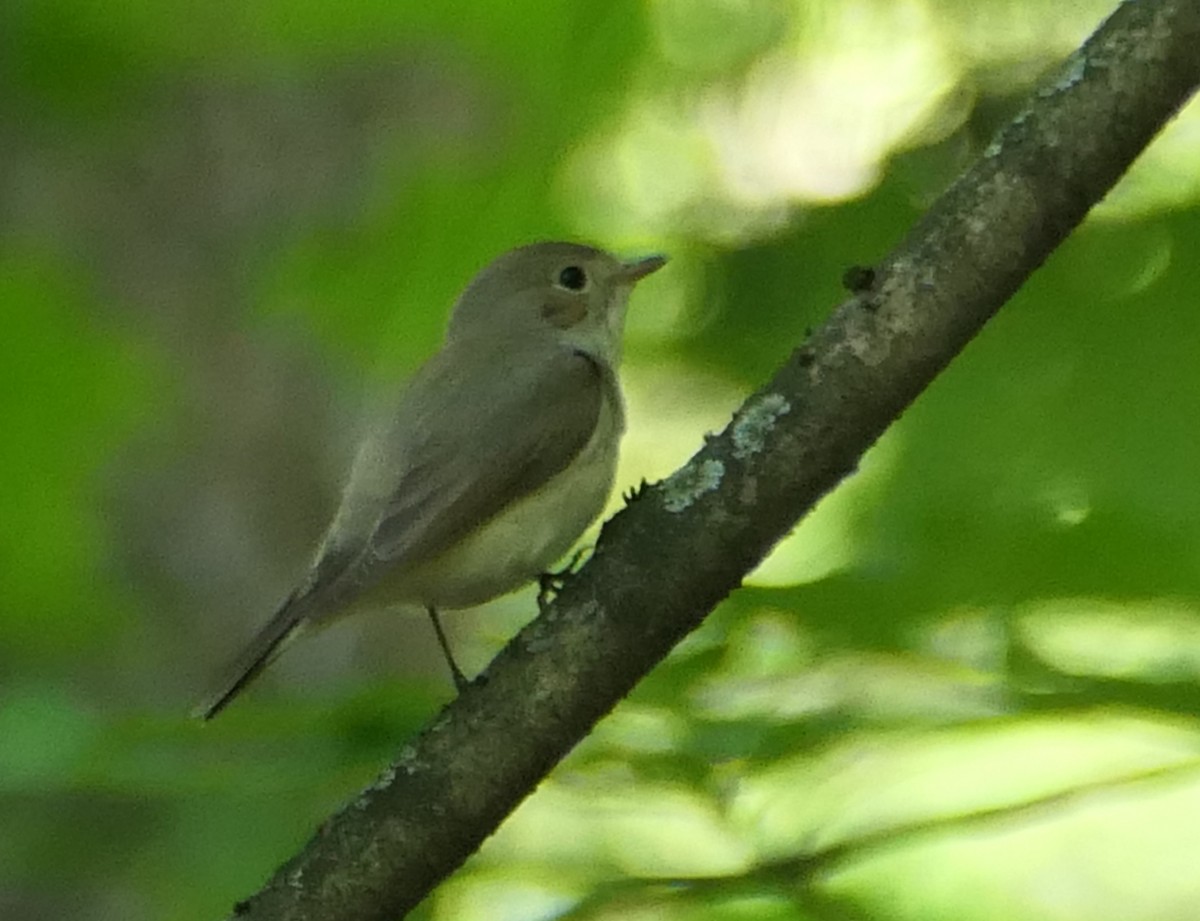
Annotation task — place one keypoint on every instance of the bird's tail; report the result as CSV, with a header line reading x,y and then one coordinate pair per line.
x,y
266,645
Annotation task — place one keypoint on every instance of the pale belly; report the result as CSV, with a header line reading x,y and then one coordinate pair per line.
x,y
515,546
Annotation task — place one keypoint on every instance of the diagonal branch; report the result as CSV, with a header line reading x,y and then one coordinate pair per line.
x,y
665,561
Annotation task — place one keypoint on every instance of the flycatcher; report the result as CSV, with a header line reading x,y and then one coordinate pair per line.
x,y
488,466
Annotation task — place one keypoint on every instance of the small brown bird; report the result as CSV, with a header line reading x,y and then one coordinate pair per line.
x,y
492,461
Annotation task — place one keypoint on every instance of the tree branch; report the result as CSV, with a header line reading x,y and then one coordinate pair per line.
x,y
665,561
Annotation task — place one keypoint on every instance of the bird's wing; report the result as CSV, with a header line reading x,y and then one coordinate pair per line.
x,y
497,435
466,439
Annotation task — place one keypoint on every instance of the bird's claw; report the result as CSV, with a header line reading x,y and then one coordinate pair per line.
x,y
551,583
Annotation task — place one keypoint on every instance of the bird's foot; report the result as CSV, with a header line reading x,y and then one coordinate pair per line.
x,y
551,583
461,682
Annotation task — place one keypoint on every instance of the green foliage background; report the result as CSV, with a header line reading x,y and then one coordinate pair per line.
x,y
966,687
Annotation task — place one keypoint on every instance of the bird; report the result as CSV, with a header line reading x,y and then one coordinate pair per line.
x,y
478,475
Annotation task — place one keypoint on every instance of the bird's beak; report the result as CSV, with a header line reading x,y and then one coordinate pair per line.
x,y
632,272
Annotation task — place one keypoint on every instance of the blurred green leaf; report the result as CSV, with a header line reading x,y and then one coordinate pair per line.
x,y
70,393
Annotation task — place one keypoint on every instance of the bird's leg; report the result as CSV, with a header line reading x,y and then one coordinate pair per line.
x,y
460,680
550,583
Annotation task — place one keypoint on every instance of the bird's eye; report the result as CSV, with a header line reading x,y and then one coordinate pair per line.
x,y
573,278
